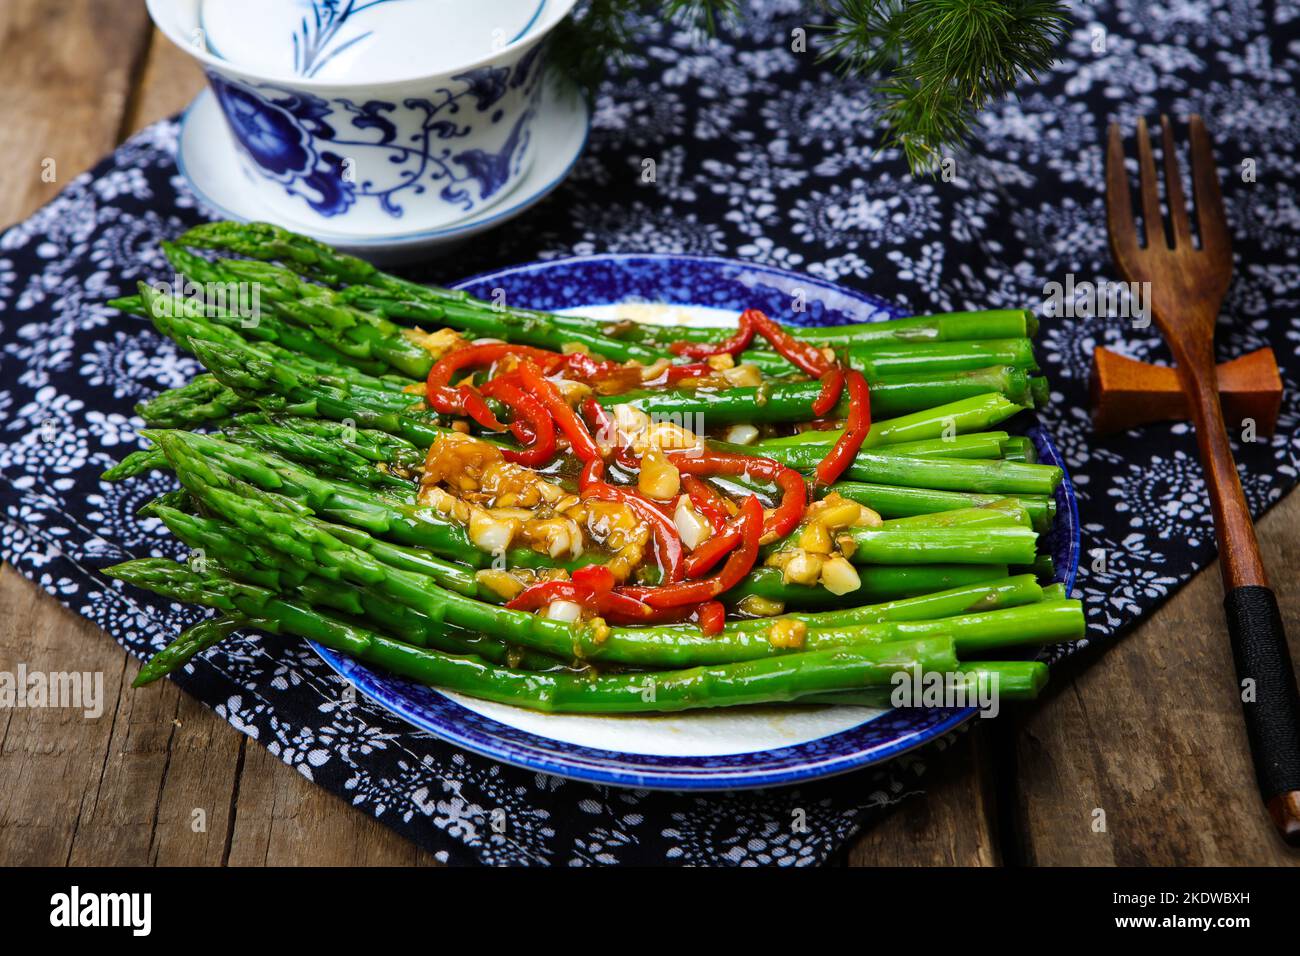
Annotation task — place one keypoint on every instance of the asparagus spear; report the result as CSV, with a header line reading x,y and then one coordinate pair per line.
x,y
333,449
236,551
975,445
1015,680
952,602
177,315
330,459
893,501
791,401
234,554
875,359
371,444
203,400
783,678
1045,622
394,516
275,389
997,477
183,320
941,545
192,641
405,523
389,297
1004,511
948,327
878,583
974,414
1019,448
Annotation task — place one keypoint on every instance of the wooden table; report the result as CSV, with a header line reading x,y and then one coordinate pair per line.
x,y
1147,731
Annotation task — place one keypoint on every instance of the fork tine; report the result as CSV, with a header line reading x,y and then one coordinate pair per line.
x,y
1119,203
1152,223
1174,187
1205,188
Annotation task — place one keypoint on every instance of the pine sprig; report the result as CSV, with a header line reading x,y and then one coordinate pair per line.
x,y
935,63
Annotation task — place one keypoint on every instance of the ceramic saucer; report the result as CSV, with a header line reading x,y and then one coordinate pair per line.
x,y
207,159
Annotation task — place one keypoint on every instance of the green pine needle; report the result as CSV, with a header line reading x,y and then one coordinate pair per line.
x,y
937,63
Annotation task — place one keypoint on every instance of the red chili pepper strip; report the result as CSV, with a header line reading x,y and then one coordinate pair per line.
x,y
540,595
855,431
739,562
669,550
442,397
677,373
593,473
707,501
520,426
732,346
472,404
598,415
462,400
474,355
803,355
794,501
832,385
528,410
569,423
592,587
712,616
618,608
794,493
700,561
595,576
597,370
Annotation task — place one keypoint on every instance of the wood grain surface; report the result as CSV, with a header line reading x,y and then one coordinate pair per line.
x,y
1148,731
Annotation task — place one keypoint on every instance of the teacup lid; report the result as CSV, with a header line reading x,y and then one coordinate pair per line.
x,y
362,41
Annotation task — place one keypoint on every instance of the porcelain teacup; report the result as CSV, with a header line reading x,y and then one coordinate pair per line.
x,y
372,117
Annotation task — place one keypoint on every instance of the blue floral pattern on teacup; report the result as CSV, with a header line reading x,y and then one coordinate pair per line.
x,y
334,153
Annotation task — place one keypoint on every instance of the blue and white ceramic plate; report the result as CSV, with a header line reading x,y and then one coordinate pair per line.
x,y
207,158
707,750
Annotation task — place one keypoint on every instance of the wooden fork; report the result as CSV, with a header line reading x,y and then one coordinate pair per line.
x,y
1187,287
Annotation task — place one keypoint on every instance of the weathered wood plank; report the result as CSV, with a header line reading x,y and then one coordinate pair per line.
x,y
191,818
67,70
169,81
282,819
51,759
1151,733
951,822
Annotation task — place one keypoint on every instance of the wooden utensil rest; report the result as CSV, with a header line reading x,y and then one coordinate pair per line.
x,y
1127,393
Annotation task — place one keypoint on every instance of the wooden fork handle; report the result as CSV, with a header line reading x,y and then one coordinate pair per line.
x,y
1270,702
1266,678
